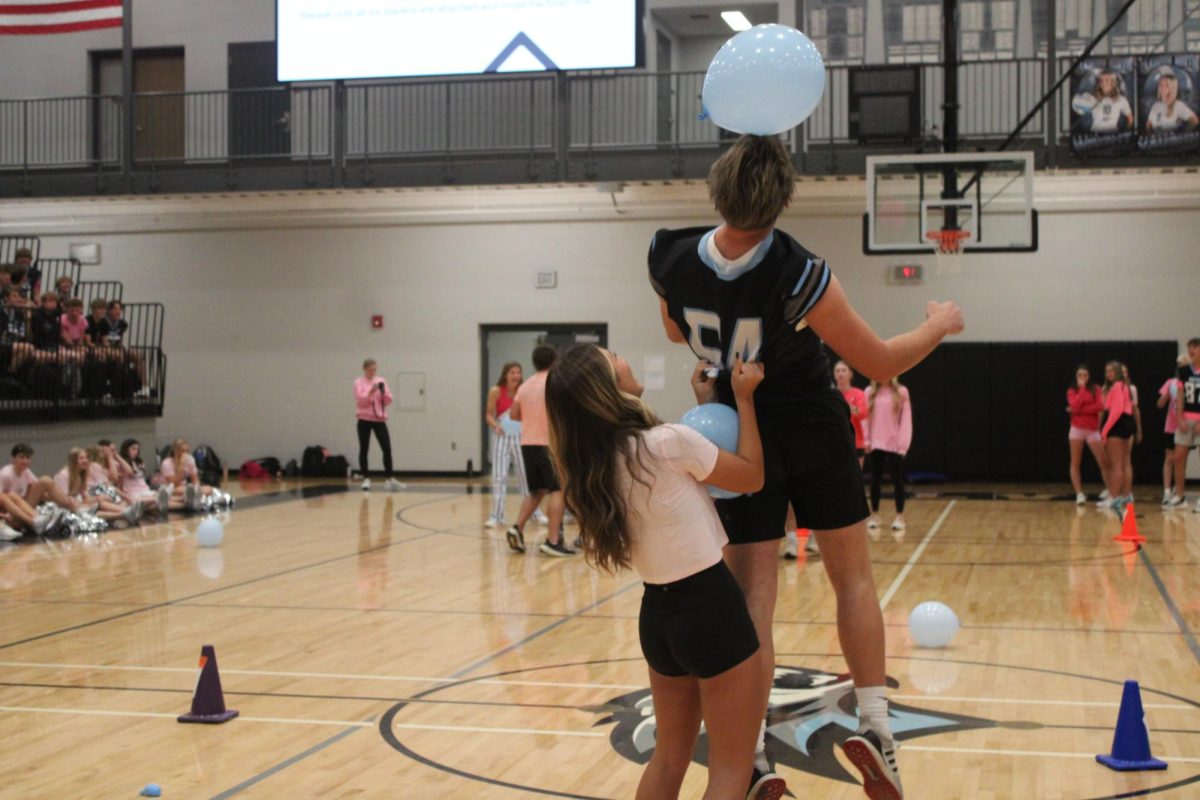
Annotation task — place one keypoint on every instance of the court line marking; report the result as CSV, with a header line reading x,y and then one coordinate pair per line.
x,y
1017,701
907,568
1180,621
986,751
330,675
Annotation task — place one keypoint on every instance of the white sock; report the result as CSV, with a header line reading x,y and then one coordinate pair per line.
x,y
761,747
873,710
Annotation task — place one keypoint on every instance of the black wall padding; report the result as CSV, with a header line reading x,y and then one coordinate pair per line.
x,y
1055,371
1013,404
967,381
925,381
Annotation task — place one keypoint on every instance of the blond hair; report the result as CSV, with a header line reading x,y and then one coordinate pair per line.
x,y
752,182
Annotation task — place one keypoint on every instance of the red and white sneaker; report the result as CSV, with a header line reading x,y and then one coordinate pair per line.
x,y
765,785
877,763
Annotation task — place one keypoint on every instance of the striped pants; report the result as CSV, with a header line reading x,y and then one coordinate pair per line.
x,y
506,453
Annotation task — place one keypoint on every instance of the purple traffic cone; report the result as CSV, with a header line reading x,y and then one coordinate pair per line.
x,y
1131,739
208,701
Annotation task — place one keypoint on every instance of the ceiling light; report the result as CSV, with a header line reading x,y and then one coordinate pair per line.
x,y
736,20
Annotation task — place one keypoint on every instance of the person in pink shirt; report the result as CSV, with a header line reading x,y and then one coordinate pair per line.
x,y
506,445
1085,401
74,325
1118,429
889,435
179,471
1169,398
75,481
17,478
857,400
372,397
132,480
1187,420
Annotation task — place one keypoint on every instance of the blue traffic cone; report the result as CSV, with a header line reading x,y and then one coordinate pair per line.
x,y
1131,739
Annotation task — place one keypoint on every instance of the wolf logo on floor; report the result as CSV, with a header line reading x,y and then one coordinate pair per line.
x,y
810,712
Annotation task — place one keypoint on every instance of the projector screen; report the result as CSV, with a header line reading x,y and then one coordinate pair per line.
x,y
348,39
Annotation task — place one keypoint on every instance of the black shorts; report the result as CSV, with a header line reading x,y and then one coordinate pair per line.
x,y
539,471
1124,428
696,626
811,463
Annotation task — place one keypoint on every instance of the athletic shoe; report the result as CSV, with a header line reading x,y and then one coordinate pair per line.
x,y
790,551
765,785
877,763
810,545
540,518
898,524
46,521
492,522
558,549
7,534
1104,495
516,539
1105,503
1175,502
163,499
191,497
393,485
1080,498
366,484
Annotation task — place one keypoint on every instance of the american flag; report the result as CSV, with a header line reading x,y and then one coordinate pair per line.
x,y
58,16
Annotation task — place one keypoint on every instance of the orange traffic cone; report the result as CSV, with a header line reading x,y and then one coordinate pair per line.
x,y
1129,530
208,701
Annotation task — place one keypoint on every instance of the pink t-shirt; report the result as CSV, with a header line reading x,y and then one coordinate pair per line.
x,y
63,480
74,331
1171,386
167,469
134,483
1117,403
10,481
673,524
531,397
886,432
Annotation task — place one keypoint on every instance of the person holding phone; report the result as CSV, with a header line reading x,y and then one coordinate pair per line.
x,y
373,397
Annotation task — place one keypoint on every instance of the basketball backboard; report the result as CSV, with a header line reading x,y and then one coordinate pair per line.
x,y
988,196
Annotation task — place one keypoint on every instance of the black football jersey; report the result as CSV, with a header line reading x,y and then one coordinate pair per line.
x,y
757,310
1191,389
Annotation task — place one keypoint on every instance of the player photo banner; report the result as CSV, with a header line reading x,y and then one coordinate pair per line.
x,y
1103,98
1169,97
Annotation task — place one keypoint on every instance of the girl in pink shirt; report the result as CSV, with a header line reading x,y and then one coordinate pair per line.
x,y
74,332
857,400
1118,429
636,488
1084,403
132,480
506,446
889,434
179,471
75,481
372,397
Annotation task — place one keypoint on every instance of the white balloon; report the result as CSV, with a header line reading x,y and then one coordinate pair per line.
x,y
210,532
932,624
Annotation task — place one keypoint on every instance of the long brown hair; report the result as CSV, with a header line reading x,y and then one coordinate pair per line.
x,y
595,435
76,478
897,398
504,372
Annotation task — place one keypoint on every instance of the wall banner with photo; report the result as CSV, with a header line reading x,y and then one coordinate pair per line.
x,y
1104,94
1168,101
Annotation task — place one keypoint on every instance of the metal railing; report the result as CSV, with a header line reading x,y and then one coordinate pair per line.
x,y
52,269
88,291
9,245
572,116
110,380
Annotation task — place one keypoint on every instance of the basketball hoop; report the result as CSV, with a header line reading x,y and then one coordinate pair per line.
x,y
948,247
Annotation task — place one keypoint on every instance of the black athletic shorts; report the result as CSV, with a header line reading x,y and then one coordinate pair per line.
x,y
811,463
696,626
1124,428
539,471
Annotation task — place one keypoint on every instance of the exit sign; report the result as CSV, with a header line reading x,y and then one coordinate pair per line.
x,y
906,274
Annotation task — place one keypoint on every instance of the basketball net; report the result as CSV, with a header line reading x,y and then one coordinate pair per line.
x,y
947,248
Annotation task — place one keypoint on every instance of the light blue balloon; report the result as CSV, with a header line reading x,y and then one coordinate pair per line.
x,y
719,424
210,532
932,624
510,426
764,81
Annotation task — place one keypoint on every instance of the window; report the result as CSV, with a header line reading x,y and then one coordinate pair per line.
x,y
837,28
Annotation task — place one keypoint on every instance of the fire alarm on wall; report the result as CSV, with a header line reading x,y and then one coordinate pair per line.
x,y
377,320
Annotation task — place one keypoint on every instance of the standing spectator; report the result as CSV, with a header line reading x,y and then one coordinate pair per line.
x,y
1187,418
857,400
506,444
529,408
1084,403
889,437
1137,426
372,396
1118,430
1169,396
23,261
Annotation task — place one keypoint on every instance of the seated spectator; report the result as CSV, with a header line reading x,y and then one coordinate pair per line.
x,y
23,261
65,288
179,471
17,478
14,326
74,332
104,473
75,481
112,334
45,331
95,331
133,480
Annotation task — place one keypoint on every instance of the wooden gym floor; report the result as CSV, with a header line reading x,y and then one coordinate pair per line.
x,y
388,646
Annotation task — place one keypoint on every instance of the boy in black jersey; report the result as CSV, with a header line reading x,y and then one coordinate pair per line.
x,y
746,288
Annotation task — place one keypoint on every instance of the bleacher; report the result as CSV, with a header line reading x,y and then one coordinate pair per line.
x,y
84,383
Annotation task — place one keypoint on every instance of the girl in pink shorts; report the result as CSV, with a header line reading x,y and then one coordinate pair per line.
x,y
1084,404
